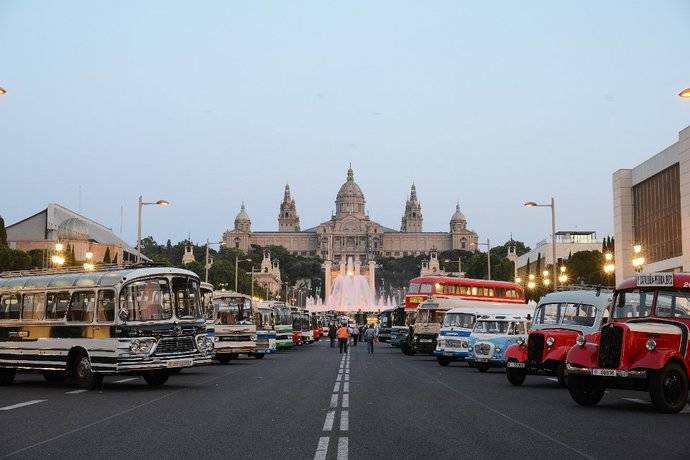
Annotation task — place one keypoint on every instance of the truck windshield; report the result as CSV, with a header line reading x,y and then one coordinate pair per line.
x,y
233,310
633,304
463,320
491,327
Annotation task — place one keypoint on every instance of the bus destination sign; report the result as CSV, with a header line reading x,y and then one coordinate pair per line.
x,y
654,279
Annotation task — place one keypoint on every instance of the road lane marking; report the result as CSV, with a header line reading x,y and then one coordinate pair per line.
x,y
322,448
334,400
338,378
76,392
342,448
347,377
553,379
328,423
336,388
344,420
346,400
125,380
638,401
346,387
24,404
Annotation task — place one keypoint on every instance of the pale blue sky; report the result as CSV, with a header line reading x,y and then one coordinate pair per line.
x,y
208,104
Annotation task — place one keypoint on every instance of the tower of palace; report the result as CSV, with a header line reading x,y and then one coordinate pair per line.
x,y
350,232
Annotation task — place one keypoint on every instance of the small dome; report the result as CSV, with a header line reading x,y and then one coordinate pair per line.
x,y
458,216
350,199
73,229
242,216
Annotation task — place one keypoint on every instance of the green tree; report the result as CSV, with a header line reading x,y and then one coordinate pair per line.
x,y
3,232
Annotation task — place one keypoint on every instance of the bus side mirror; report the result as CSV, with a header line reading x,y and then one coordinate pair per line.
x,y
123,314
529,317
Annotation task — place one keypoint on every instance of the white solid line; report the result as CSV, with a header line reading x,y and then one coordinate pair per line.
x,y
344,420
336,388
342,449
638,401
328,423
125,380
76,392
346,400
334,400
346,387
322,448
553,379
27,403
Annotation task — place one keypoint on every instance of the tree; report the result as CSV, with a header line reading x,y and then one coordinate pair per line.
x,y
3,232
106,256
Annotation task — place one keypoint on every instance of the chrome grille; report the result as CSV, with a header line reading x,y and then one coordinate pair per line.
x,y
235,338
483,349
175,345
610,347
535,348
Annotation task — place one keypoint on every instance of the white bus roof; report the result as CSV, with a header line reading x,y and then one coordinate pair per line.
x,y
587,297
221,294
505,316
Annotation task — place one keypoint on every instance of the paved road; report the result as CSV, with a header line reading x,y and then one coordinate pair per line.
x,y
312,403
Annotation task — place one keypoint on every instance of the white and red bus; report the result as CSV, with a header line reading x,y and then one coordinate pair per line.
x,y
446,287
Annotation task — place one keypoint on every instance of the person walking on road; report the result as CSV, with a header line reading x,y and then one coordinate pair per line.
x,y
369,338
343,334
331,334
355,335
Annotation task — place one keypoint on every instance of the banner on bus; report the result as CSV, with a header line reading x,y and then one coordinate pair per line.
x,y
654,279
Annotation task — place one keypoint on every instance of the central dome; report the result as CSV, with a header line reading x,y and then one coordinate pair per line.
x,y
350,199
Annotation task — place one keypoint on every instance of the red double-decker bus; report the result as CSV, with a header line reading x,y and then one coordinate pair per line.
x,y
446,287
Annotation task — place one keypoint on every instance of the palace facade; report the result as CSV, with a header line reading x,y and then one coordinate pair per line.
x,y
350,232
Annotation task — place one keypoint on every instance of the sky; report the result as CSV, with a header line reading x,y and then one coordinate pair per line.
x,y
214,103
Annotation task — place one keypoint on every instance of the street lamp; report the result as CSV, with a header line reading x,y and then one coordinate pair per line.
x,y
447,261
685,93
207,259
237,261
545,278
488,257
638,261
3,91
552,205
563,277
609,265
143,203
531,284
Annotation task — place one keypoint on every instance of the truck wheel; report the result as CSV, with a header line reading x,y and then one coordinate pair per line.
x,y
223,359
443,361
668,389
156,378
585,390
83,376
562,374
515,376
483,367
7,376
54,376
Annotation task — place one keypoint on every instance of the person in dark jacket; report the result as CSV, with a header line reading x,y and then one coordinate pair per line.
x,y
331,334
369,337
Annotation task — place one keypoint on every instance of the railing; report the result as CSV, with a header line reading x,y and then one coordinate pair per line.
x,y
75,269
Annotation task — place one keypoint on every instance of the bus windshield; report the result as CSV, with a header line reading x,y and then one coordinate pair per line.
x,y
491,327
145,300
430,316
265,318
385,320
283,316
633,304
463,320
233,310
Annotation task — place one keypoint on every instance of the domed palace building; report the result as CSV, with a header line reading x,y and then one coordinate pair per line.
x,y
350,232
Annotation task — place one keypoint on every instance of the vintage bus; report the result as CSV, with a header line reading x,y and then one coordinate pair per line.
x,y
492,335
427,326
385,320
402,322
80,325
235,331
264,318
206,290
307,335
447,287
282,323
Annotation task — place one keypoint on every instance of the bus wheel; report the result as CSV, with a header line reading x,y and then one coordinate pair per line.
x,y
259,355
83,375
54,376
482,367
223,359
156,378
7,376
585,390
175,371
516,377
668,389
443,361
562,374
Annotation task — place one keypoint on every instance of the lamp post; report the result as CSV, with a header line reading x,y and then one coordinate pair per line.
x,y
252,274
488,257
237,262
143,203
531,284
207,259
285,283
563,277
609,266
552,205
638,261
459,264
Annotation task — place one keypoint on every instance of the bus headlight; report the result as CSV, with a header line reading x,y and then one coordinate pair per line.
x,y
141,346
202,342
253,338
550,341
650,345
521,341
497,349
580,340
209,345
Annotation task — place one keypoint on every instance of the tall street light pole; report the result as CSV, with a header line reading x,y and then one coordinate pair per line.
x,y
237,262
488,257
207,264
141,204
532,204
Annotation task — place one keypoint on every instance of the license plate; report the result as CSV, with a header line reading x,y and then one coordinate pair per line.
x,y
484,360
180,363
516,365
425,340
447,353
606,372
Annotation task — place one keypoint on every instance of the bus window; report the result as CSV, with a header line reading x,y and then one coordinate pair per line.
x,y
147,300
414,288
547,314
438,288
106,306
33,306
57,305
449,289
9,306
82,307
186,299
425,288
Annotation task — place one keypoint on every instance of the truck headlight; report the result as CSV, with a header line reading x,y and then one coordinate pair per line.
x,y
521,341
550,341
580,340
650,345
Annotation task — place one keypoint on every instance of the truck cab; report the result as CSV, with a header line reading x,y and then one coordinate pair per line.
x,y
558,320
643,346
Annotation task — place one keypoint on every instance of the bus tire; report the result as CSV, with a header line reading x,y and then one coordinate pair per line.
x,y
562,374
223,359
482,367
668,389
7,376
443,361
175,371
259,355
54,376
82,374
516,377
156,378
585,390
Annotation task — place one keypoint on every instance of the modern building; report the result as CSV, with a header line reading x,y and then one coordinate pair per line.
x,y
57,224
651,208
350,232
567,242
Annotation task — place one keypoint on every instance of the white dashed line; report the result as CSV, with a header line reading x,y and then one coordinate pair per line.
x,y
125,380
322,449
330,418
334,400
346,401
338,378
76,392
342,448
344,420
336,387
347,377
346,387
638,401
24,404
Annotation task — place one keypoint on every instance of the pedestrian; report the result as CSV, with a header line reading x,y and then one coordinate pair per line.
x,y
355,335
331,334
343,334
369,338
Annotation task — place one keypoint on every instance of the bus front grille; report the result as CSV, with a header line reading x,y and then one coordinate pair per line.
x,y
169,346
610,347
535,348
